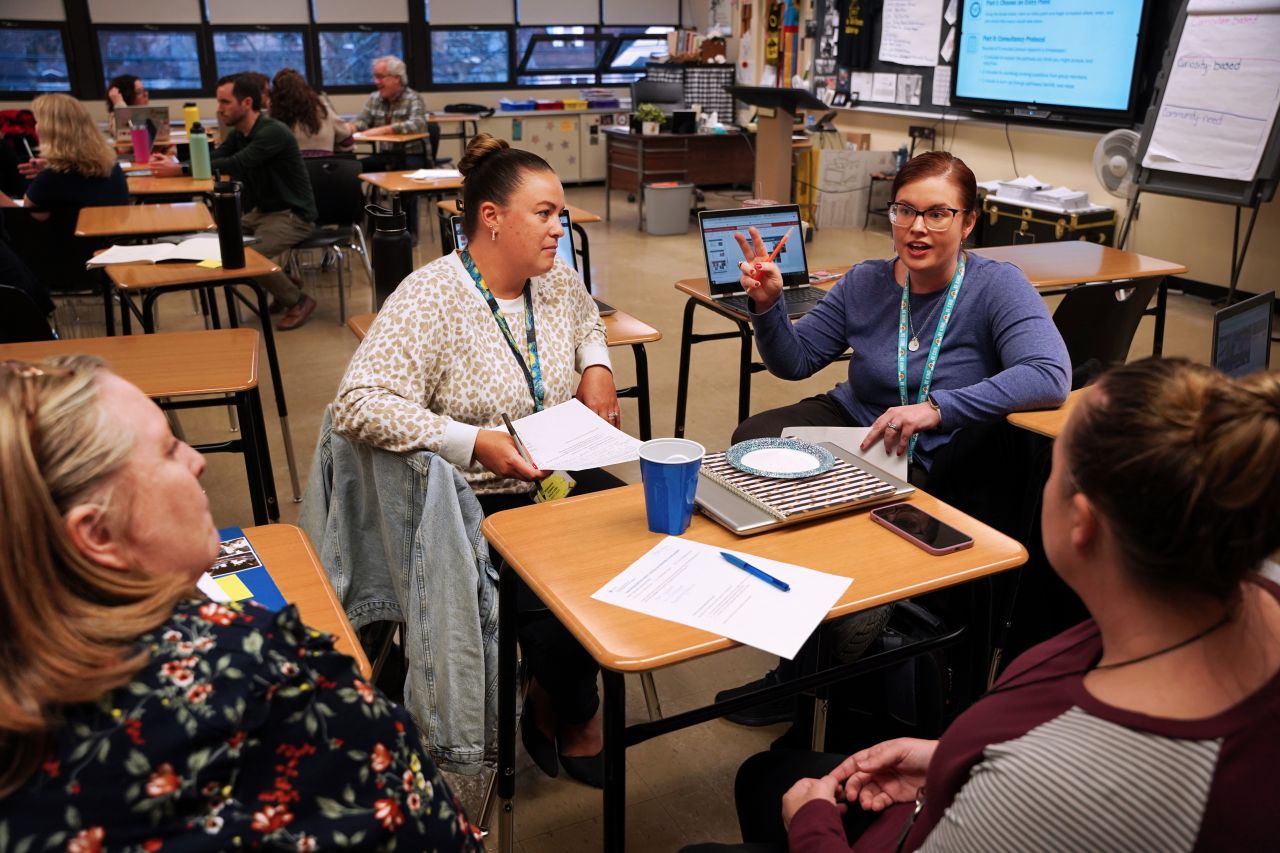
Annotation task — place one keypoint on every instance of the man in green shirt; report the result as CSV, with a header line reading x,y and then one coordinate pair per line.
x,y
262,154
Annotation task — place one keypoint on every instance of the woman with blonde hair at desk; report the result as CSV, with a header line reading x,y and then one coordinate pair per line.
x,y
135,714
1149,727
501,327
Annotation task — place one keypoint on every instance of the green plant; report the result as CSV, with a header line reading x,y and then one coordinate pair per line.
x,y
650,112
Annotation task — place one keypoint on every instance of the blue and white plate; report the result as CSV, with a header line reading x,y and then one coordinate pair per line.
x,y
781,458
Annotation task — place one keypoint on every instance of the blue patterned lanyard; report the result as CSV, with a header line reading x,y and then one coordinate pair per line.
x,y
926,379
529,363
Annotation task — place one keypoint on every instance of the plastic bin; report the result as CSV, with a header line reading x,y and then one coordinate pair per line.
x,y
666,208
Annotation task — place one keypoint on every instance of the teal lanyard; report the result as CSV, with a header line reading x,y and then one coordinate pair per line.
x,y
926,379
529,363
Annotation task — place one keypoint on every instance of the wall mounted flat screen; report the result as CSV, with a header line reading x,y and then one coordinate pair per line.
x,y
1047,59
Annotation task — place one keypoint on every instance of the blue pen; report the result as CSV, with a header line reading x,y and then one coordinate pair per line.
x,y
752,570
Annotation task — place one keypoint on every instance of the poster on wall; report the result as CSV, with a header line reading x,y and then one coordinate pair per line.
x,y
910,32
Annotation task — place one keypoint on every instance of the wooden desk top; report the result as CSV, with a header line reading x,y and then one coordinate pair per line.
x,y
151,185
393,138
175,364
700,289
138,220
576,214
567,549
1070,262
621,327
141,276
287,553
400,182
1048,422
445,118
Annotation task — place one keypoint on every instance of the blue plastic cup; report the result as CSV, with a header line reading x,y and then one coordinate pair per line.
x,y
669,468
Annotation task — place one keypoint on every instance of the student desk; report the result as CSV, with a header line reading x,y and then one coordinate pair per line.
x,y
1059,267
544,545
699,292
622,330
143,220
154,280
150,185
400,182
207,364
1047,422
294,566
389,138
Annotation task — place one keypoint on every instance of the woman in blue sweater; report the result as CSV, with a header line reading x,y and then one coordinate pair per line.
x,y
980,324
942,339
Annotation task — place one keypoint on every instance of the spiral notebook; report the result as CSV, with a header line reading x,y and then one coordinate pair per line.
x,y
748,504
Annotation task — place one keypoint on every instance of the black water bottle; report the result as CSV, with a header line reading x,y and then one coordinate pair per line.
x,y
392,249
226,215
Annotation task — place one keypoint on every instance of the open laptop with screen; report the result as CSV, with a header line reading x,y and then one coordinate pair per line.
x,y
1242,335
723,254
564,249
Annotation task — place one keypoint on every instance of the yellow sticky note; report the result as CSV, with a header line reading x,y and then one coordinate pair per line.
x,y
557,486
234,587
210,264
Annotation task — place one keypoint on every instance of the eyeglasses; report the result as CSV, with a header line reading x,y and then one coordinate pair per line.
x,y
382,76
30,403
935,218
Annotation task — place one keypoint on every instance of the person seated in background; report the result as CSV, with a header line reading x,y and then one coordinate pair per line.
x,y
501,327
1150,726
76,168
942,340
395,108
127,90
134,708
263,155
320,132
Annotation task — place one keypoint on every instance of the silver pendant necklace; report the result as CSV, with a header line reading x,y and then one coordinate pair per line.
x,y
914,343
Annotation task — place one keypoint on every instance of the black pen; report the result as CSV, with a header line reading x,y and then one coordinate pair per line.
x,y
524,451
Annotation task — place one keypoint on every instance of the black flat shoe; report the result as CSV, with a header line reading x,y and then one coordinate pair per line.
x,y
587,769
540,749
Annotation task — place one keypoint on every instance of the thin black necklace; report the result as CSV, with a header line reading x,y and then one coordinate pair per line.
x,y
1226,618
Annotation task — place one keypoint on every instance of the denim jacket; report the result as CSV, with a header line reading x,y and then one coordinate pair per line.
x,y
399,535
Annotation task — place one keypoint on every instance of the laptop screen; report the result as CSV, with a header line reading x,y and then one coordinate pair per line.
x,y
564,249
1242,335
723,253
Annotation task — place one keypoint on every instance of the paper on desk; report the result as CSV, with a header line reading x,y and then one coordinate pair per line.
x,y
571,437
431,174
690,583
209,587
849,438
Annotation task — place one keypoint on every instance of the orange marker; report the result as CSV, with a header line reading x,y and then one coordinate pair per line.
x,y
781,243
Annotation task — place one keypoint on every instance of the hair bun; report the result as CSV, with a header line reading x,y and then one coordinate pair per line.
x,y
481,147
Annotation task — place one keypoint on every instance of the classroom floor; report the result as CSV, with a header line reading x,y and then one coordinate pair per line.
x,y
679,787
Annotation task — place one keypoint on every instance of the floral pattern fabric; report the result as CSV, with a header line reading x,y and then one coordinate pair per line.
x,y
245,730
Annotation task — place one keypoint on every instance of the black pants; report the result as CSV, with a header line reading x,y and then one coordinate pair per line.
x,y
762,780
820,411
559,662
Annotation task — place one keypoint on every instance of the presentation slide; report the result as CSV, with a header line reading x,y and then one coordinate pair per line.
x,y
1071,53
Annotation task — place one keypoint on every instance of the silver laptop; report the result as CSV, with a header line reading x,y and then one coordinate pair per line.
x,y
564,249
723,254
1242,335
747,519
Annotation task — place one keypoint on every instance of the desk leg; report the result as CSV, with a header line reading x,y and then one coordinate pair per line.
x,y
642,389
615,761
640,186
506,709
682,380
1162,302
108,309
252,462
263,452
744,372
608,160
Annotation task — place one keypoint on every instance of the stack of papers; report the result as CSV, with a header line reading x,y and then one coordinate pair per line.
x,y
1020,189
433,174
1062,197
571,437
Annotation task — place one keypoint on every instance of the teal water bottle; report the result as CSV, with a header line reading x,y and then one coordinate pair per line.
x,y
200,153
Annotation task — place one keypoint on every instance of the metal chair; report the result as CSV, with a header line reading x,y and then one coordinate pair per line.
x,y
335,182
1098,321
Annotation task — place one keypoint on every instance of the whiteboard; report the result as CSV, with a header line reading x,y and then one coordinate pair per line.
x,y
1223,91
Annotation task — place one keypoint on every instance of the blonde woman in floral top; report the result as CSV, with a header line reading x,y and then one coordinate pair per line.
x,y
137,717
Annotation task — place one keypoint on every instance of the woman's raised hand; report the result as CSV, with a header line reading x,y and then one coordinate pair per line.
x,y
760,277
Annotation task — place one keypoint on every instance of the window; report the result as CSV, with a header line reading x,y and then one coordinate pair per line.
x,y
470,55
164,59
635,47
33,60
568,56
265,51
346,56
